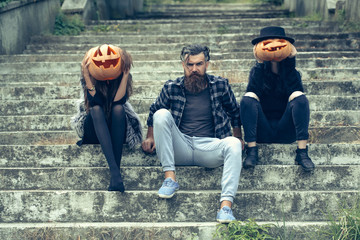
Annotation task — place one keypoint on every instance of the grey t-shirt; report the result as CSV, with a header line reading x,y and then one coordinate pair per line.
x,y
197,119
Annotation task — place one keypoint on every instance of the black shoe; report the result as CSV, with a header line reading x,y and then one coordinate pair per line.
x,y
116,184
303,159
251,157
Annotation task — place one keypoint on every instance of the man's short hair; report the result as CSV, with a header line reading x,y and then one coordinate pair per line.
x,y
194,50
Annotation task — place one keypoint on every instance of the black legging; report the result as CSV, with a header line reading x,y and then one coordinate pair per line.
x,y
293,125
111,137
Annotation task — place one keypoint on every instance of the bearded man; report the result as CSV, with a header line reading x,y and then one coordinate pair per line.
x,y
190,124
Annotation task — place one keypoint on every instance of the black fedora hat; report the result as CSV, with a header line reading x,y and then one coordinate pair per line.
x,y
272,32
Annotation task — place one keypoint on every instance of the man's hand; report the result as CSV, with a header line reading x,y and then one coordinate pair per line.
x,y
237,133
148,145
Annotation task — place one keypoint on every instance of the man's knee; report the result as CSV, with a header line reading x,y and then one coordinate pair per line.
x,y
161,116
233,144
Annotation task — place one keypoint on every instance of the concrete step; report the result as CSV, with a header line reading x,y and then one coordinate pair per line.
x,y
288,178
220,27
234,76
145,206
175,38
62,122
141,106
175,65
138,56
86,156
327,135
231,44
212,14
127,230
242,23
151,89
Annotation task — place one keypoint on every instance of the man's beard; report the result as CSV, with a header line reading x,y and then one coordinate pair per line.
x,y
195,83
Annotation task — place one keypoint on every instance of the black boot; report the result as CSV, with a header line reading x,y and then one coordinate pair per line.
x,y
251,157
303,159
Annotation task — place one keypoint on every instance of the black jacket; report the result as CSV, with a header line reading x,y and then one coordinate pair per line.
x,y
272,89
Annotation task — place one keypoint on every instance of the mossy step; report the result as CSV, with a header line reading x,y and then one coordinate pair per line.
x,y
38,156
262,178
175,65
155,231
62,122
68,106
175,38
223,44
332,134
77,56
186,206
234,76
151,89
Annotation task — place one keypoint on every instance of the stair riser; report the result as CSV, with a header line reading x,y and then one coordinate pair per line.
x,y
160,231
216,36
317,135
234,76
57,123
124,231
151,89
176,65
22,156
68,106
266,178
77,56
63,206
224,45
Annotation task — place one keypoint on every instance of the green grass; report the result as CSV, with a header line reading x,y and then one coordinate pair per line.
x,y
243,230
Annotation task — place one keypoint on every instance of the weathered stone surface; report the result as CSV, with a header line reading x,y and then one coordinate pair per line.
x,y
45,179
265,177
62,122
24,156
185,206
120,230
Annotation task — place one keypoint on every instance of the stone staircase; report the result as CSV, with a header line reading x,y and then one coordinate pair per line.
x,y
51,187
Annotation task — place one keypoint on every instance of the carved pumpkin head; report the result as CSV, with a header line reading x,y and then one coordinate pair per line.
x,y
273,49
272,44
105,62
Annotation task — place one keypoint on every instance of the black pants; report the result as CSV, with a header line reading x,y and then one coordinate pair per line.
x,y
293,125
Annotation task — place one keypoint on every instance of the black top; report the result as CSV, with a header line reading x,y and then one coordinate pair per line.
x,y
99,99
272,89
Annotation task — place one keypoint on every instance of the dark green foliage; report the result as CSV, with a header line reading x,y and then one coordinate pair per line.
x,y
68,25
3,3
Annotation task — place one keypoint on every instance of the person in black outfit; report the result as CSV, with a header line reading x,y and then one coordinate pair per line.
x,y
106,117
274,108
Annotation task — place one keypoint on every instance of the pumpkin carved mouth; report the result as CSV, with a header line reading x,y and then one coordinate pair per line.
x,y
272,46
107,63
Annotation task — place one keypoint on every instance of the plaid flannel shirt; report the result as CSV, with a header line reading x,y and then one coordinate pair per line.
x,y
225,108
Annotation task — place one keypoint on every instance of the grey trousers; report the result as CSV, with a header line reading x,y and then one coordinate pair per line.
x,y
175,148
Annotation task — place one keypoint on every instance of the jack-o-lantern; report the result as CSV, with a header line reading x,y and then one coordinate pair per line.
x,y
105,62
273,50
